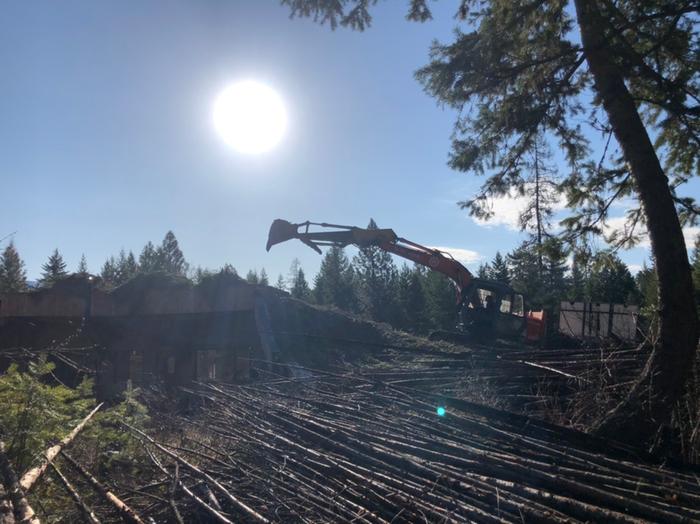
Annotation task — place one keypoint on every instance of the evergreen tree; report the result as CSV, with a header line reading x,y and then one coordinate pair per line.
x,y
13,278
252,277
499,269
611,281
484,271
264,281
539,273
82,266
173,259
376,275
108,274
150,259
577,285
414,303
553,256
131,267
293,272
695,262
335,282
54,269
228,269
441,299
281,284
648,285
300,287
200,274
125,267
526,274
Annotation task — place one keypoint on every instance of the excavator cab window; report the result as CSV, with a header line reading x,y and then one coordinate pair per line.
x,y
518,305
481,298
506,303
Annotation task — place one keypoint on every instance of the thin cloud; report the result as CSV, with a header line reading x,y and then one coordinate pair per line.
x,y
507,210
618,225
465,256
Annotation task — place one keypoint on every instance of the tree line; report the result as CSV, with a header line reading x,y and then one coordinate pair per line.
x,y
371,284
116,270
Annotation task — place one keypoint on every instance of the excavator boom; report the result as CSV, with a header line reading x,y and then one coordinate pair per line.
x,y
386,239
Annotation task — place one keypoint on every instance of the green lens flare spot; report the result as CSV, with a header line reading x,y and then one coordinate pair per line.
x,y
440,411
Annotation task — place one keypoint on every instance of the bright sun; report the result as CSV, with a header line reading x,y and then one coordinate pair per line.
x,y
250,117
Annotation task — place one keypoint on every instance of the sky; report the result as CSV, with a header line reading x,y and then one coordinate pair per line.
x,y
107,138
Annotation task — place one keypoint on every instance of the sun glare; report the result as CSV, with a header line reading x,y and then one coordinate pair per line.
x,y
250,117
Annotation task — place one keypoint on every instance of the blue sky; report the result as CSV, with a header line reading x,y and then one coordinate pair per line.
x,y
107,139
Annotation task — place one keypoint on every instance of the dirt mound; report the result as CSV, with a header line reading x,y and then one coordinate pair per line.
x,y
320,336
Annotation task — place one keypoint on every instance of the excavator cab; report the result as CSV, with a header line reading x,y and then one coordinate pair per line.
x,y
492,309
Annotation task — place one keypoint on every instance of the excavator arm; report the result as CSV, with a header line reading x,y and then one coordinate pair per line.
x,y
385,239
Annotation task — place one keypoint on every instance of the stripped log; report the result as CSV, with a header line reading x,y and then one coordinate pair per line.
x,y
31,476
234,500
125,512
218,516
171,500
23,512
85,511
380,453
7,516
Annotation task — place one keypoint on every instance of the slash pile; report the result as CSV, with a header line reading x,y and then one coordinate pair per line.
x,y
343,448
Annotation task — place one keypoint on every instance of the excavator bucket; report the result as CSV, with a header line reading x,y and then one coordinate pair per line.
x,y
281,231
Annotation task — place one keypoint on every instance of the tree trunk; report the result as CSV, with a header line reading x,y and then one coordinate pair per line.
x,y
650,402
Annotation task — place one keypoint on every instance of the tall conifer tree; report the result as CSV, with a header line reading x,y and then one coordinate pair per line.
x,y
150,259
82,266
173,259
300,287
13,277
335,282
499,269
53,270
377,277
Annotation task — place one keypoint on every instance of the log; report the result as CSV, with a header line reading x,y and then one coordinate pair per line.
x,y
218,516
127,514
23,512
87,513
31,476
239,504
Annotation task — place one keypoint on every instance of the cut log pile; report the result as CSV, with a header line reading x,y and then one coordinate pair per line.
x,y
528,380
350,449
367,448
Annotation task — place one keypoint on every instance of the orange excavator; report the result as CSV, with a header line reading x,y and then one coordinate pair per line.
x,y
485,308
